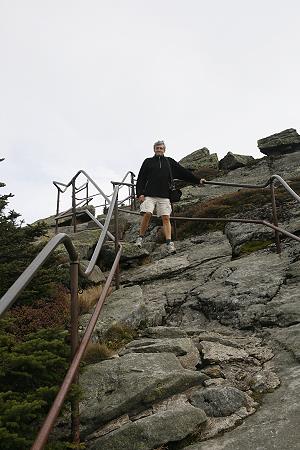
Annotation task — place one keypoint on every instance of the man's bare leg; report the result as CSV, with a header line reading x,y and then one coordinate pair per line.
x,y
145,223
166,227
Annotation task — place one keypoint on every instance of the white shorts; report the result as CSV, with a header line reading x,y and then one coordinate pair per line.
x,y
163,206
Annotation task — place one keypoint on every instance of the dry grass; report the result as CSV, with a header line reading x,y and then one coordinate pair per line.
x,y
96,352
88,299
119,335
115,338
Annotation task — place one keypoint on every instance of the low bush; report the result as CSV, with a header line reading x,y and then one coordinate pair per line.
x,y
42,314
30,373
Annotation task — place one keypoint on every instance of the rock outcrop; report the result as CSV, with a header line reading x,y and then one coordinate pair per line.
x,y
199,159
232,161
287,141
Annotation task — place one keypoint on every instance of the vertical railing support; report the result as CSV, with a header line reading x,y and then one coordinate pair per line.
x,y
87,193
133,199
57,210
74,205
275,218
174,223
116,218
74,345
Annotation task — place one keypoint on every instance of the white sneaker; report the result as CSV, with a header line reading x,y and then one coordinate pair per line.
x,y
171,248
139,242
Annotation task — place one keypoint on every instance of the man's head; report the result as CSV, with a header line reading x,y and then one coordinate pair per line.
x,y
159,148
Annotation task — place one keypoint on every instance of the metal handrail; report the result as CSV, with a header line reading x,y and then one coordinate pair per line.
x,y
57,183
24,279
267,183
88,197
16,289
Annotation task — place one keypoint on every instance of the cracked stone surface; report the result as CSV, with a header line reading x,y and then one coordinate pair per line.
x,y
123,307
129,384
184,348
152,431
239,290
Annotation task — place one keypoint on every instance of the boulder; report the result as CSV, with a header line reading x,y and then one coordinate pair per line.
x,y
123,307
130,384
84,242
287,141
162,268
220,401
248,237
96,276
199,159
238,289
232,161
130,257
153,431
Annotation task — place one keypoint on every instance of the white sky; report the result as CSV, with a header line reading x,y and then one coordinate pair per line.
x,y
91,84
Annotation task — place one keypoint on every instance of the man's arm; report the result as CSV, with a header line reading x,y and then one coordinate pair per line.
x,y
183,174
141,179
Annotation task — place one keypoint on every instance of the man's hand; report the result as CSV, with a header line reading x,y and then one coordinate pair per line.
x,y
202,181
141,198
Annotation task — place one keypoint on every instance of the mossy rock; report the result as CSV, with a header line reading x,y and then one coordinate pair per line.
x,y
254,246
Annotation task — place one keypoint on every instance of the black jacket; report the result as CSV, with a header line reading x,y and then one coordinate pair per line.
x,y
154,176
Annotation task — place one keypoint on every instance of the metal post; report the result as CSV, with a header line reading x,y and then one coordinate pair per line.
x,y
133,199
275,219
74,205
116,217
57,210
87,192
174,223
74,345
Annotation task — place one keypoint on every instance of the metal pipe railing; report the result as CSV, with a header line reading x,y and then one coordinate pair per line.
x,y
87,198
266,184
24,279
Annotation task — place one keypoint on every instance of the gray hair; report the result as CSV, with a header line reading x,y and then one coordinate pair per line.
x,y
159,143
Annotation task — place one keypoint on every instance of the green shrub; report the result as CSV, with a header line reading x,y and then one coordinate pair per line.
x,y
30,374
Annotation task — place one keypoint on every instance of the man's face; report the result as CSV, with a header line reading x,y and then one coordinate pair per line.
x,y
159,150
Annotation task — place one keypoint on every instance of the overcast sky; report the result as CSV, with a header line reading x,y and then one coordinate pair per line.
x,y
91,84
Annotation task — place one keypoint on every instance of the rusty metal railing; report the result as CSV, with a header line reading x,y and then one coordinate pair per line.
x,y
274,226
76,202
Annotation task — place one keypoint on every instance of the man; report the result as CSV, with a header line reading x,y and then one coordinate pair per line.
x,y
152,189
